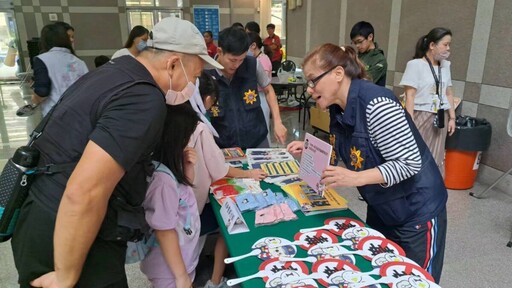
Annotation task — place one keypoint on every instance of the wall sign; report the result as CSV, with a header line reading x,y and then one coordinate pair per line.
x,y
206,18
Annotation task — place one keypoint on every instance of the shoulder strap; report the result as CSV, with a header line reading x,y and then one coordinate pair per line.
x,y
159,167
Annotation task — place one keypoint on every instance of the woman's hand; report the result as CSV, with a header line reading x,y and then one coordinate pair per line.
x,y
257,174
295,148
280,132
334,176
451,126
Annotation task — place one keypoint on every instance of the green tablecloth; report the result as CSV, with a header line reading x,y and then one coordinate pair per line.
x,y
239,244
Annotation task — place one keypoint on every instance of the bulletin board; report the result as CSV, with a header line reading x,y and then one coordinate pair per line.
x,y
206,18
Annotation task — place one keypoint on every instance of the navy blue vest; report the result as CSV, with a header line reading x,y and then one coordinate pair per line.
x,y
238,117
412,201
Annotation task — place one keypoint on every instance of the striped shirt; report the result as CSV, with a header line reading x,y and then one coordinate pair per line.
x,y
391,135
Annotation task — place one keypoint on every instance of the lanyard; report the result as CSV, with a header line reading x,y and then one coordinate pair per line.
x,y
437,80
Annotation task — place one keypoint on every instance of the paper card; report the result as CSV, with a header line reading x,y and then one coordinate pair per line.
x,y
234,153
232,217
277,168
315,158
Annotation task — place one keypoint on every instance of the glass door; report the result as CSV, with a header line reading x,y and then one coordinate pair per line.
x,y
10,61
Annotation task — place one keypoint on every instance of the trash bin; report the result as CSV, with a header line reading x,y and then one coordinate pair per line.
x,y
463,151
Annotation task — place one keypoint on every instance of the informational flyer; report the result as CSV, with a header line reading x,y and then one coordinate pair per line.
x,y
315,158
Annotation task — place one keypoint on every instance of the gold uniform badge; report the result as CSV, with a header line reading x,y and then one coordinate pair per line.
x,y
215,111
356,159
250,96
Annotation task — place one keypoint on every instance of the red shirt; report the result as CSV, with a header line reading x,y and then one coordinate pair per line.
x,y
277,55
212,49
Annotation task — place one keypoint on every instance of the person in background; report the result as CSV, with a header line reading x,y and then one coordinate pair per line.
x,y
70,232
238,117
363,37
384,155
210,167
170,205
137,41
208,39
69,29
274,42
252,26
423,97
56,69
255,50
101,60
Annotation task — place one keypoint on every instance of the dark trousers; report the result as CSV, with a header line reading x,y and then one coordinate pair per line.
x,y
423,243
275,66
32,246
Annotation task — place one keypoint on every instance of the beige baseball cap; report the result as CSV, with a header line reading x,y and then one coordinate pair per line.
x,y
175,34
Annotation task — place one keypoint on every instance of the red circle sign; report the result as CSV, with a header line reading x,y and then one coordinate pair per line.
x,y
327,267
274,265
375,245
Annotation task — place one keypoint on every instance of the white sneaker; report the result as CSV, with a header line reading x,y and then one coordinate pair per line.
x,y
223,284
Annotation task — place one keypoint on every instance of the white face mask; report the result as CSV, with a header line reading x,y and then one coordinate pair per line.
x,y
442,55
176,98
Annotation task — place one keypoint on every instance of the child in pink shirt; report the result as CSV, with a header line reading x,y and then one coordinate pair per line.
x,y
209,168
171,207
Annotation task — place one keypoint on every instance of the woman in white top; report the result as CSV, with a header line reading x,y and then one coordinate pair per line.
x,y
136,42
55,69
428,89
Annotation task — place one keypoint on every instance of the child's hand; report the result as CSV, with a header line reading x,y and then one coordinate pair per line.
x,y
257,174
189,156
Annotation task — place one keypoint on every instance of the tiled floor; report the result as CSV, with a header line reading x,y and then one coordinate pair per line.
x,y
478,230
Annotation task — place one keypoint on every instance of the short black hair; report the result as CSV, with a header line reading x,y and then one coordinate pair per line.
x,y
238,25
234,41
209,33
208,86
100,60
252,26
65,25
362,28
270,25
255,38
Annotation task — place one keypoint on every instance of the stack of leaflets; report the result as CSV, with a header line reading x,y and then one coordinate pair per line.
x,y
231,187
275,162
234,156
311,202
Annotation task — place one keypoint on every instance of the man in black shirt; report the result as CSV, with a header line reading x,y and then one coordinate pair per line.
x,y
108,122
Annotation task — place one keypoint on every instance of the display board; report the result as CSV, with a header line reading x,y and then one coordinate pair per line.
x,y
206,18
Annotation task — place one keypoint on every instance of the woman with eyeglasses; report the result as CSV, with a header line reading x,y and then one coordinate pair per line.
x,y
384,155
